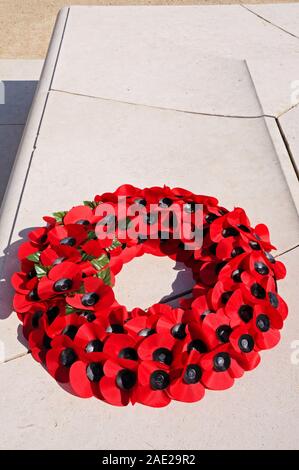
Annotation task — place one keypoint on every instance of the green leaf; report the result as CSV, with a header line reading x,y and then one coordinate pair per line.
x,y
91,235
59,216
40,270
86,257
115,244
34,257
105,275
101,262
91,204
69,310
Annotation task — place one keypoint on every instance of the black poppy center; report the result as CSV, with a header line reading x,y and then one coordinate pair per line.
x,y
258,291
221,362
35,319
82,222
141,202
261,268
47,342
63,285
244,228
90,299
223,332
211,217
165,202
192,374
126,379
179,331
197,344
146,332
245,313
238,250
270,257
163,355
115,328
33,295
246,343
94,371
254,245
69,241
226,296
263,322
229,232
128,353
67,357
273,299
52,313
236,275
70,331
95,345
159,380
90,316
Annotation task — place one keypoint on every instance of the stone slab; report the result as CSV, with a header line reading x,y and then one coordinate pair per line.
x,y
276,81
20,69
283,153
290,125
10,137
174,67
282,15
113,141
37,414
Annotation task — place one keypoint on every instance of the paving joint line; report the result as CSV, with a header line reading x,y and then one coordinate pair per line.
x,y
287,251
287,146
15,357
268,21
287,110
161,107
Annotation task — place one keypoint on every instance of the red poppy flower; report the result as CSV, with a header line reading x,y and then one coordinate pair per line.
x,y
67,325
34,319
61,357
27,249
238,309
90,336
153,384
62,279
67,235
119,381
141,324
81,215
85,376
221,293
39,343
114,318
242,340
121,346
220,368
216,329
266,324
39,236
172,322
24,283
157,347
95,297
185,384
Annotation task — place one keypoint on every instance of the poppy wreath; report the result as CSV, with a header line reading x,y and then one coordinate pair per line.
x,y
76,328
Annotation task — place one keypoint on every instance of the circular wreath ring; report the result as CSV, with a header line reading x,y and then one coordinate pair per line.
x,y
84,337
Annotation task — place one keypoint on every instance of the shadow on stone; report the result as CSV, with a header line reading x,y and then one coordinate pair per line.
x,y
18,96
